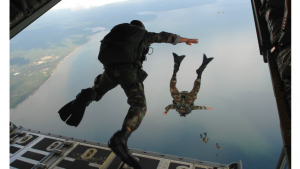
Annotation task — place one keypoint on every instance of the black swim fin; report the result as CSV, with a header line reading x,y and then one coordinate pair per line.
x,y
178,59
72,113
70,116
65,111
205,62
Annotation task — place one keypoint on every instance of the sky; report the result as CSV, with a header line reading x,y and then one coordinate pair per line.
x,y
76,5
219,40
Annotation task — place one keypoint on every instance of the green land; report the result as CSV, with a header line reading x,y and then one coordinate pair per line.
x,y
25,79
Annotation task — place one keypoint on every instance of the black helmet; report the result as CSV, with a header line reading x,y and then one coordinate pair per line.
x,y
137,23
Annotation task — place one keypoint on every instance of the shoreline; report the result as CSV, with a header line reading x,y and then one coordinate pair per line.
x,y
52,73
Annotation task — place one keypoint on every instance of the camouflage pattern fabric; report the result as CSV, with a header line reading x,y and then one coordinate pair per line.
x,y
134,91
180,101
205,139
162,37
138,106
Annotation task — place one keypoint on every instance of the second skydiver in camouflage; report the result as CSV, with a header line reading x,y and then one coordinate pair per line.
x,y
183,102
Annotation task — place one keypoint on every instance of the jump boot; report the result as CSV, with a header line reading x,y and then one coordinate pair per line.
x,y
177,61
118,144
76,108
203,66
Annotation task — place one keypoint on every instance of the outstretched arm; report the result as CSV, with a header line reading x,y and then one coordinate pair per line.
x,y
165,37
171,106
202,108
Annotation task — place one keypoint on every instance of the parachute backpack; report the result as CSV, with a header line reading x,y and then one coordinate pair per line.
x,y
123,44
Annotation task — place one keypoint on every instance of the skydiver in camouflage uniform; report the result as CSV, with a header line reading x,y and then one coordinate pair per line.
x,y
218,146
124,69
204,139
184,101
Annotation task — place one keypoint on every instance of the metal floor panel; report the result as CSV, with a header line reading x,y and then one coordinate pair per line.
x,y
28,141
13,135
77,164
148,163
13,150
21,164
33,156
62,152
43,144
115,163
76,160
175,165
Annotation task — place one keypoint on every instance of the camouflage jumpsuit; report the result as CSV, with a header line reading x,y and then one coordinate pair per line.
x,y
126,76
205,139
180,102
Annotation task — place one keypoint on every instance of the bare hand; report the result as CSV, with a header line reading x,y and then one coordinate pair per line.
x,y
165,112
190,41
209,108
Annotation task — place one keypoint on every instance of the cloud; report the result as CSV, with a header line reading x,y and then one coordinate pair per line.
x,y
76,5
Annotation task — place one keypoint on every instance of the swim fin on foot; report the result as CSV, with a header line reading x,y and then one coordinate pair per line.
x,y
72,113
205,62
178,59
70,116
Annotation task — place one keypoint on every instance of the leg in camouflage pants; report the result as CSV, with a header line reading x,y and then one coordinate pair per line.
x,y
134,91
191,97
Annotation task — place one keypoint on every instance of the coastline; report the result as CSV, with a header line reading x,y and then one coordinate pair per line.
x,y
51,74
